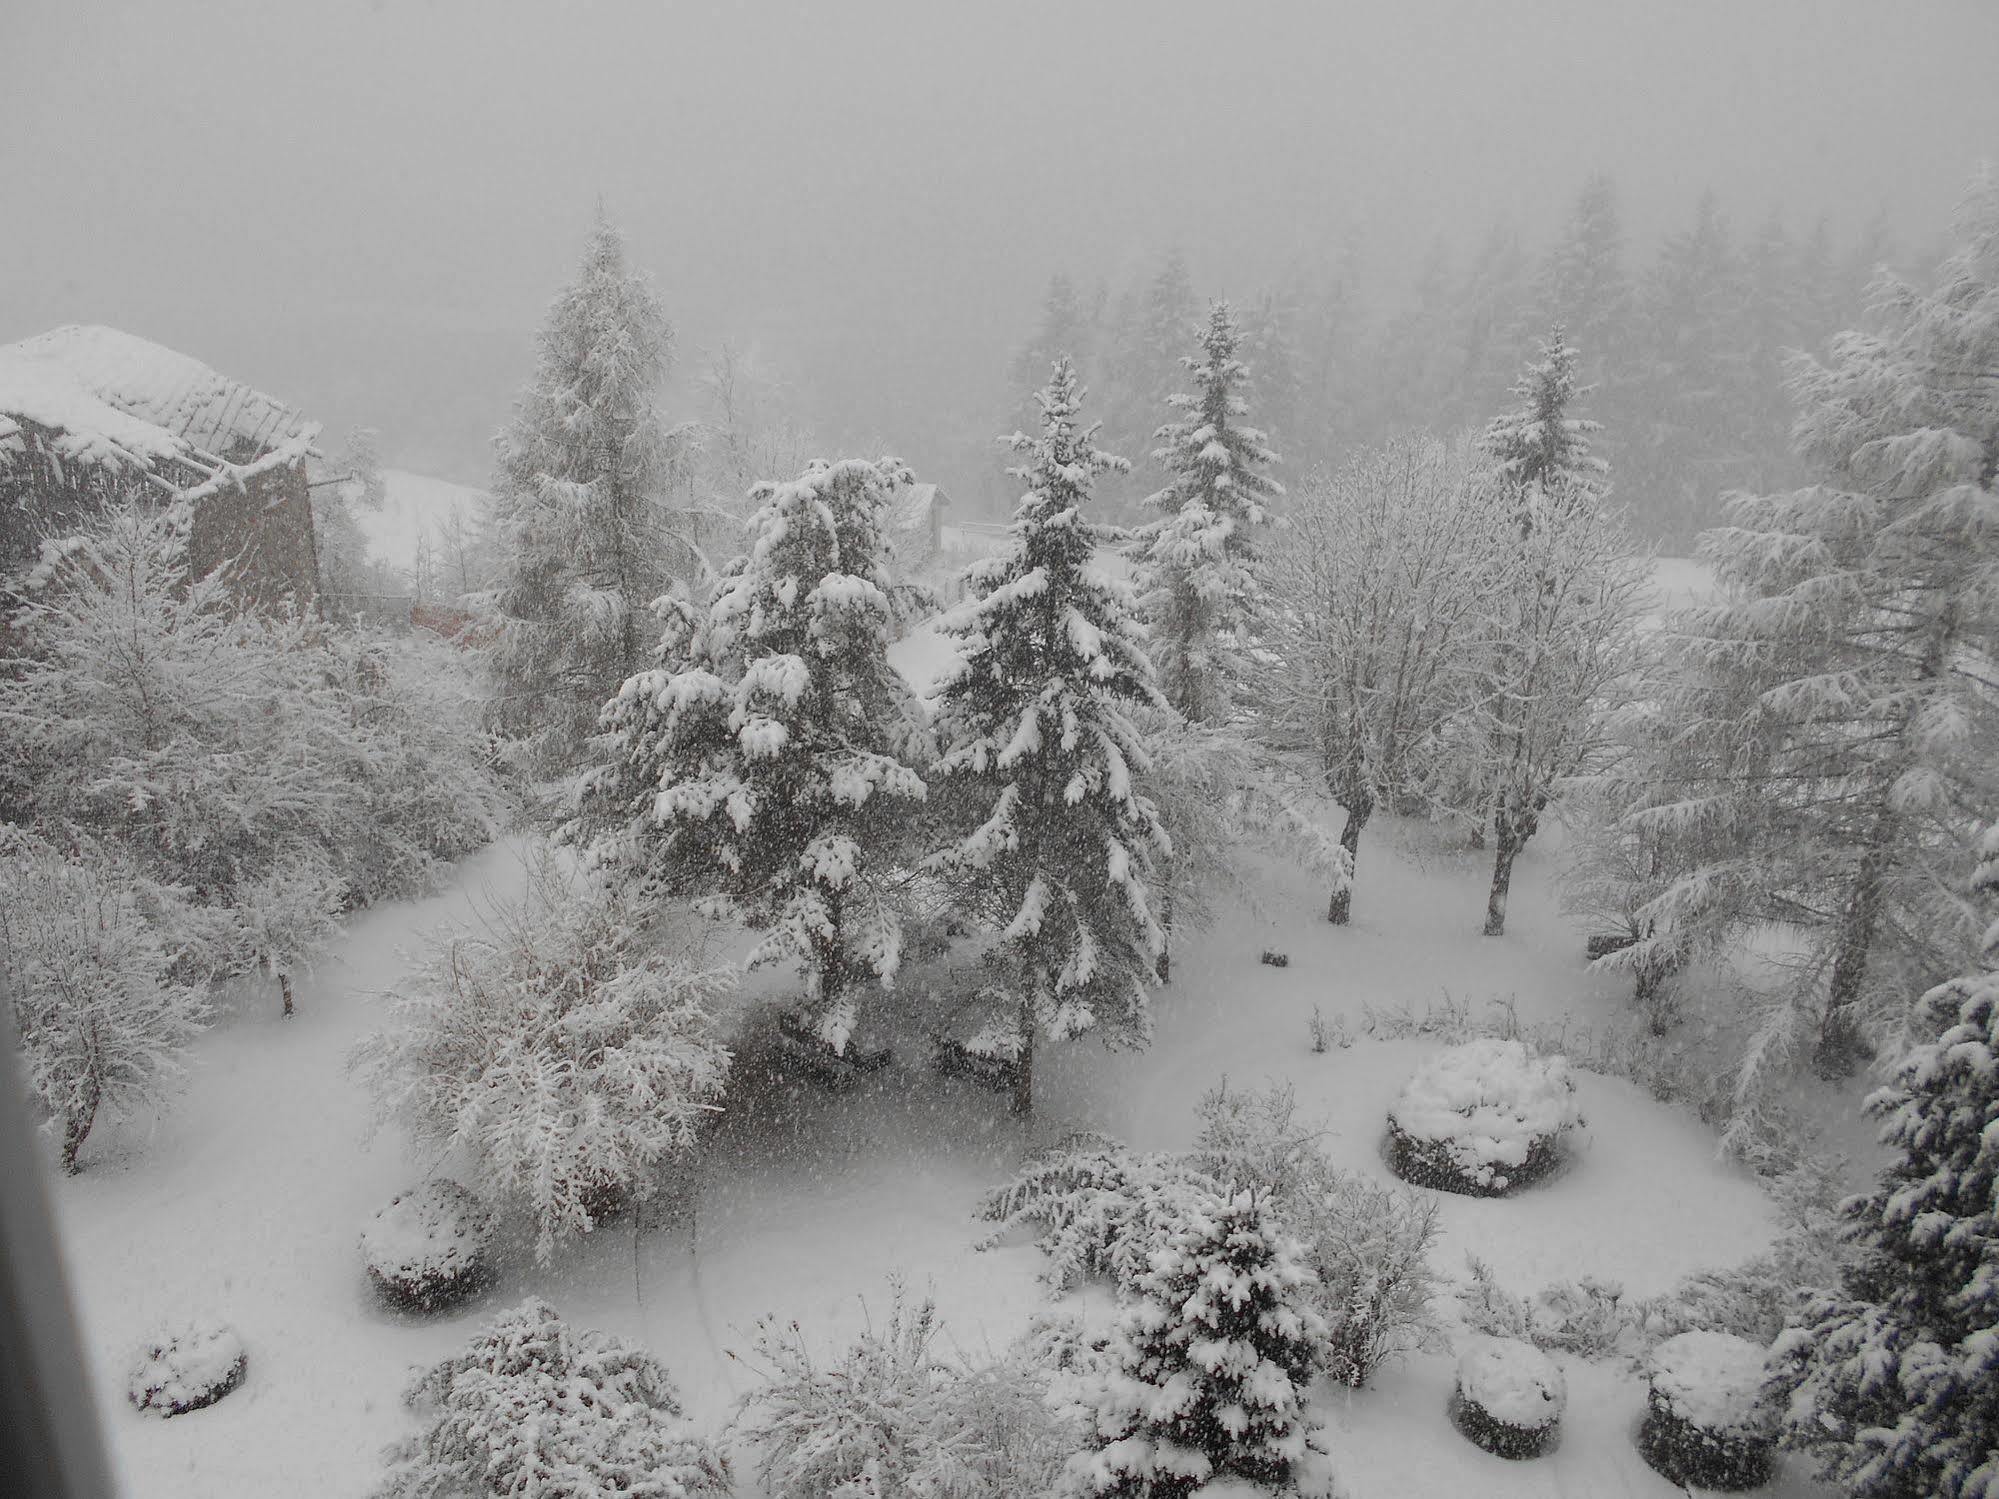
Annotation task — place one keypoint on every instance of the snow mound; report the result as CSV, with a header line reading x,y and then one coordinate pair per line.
x,y
183,1368
428,1246
1713,1380
1513,1382
1483,1117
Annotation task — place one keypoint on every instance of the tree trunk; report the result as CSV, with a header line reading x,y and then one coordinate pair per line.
x,y
1841,1047
285,988
1340,907
1163,964
76,1126
1023,1077
1506,847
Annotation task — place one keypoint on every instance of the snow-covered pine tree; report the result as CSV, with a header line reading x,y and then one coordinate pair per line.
x,y
1834,704
769,765
1564,631
1584,286
1197,561
1382,593
582,533
1039,753
1207,1375
102,1025
1064,330
1888,1381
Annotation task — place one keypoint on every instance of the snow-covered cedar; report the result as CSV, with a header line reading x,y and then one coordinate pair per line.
x,y
1887,1380
893,1418
1509,1396
103,1023
583,537
1485,1117
429,1246
566,1047
1207,1375
1706,1421
1196,563
1100,1209
534,1407
764,764
187,1366
1053,843
1850,650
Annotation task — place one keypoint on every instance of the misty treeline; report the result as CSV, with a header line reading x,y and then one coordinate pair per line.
x,y
1684,348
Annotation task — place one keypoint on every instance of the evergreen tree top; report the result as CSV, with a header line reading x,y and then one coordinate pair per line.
x,y
1539,445
1214,454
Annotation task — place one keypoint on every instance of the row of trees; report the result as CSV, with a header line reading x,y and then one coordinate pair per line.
x,y
1686,352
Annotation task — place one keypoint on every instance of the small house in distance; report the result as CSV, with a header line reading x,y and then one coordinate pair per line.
x,y
88,413
916,527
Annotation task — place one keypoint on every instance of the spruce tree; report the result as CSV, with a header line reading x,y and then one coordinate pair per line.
x,y
1834,704
1889,1381
1197,561
1208,1372
579,517
1039,757
764,762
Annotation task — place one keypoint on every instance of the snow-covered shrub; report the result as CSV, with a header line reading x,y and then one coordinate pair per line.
x,y
102,1023
1484,1118
429,1247
1101,1210
184,1368
532,1407
1706,1423
1509,1397
287,915
1589,1317
1206,1377
566,1048
891,1418
1367,1245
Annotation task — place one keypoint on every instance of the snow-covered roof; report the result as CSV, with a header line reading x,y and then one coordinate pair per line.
x,y
910,510
114,400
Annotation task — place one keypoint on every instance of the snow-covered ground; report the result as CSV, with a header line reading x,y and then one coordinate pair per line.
x,y
247,1202
414,506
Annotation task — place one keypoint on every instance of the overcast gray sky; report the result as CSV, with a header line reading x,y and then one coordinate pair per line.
x,y
364,207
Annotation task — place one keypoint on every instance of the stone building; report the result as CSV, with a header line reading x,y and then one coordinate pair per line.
x,y
89,413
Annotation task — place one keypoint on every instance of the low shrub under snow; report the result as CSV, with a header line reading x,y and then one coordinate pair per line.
x,y
534,1407
187,1367
892,1418
1484,1118
1706,1422
429,1246
1509,1396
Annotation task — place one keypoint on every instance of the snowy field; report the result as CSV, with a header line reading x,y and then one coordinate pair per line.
x,y
246,1202
414,506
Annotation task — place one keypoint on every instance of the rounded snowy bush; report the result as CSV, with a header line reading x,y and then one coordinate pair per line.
x,y
1509,1397
1706,1423
1485,1118
181,1369
428,1248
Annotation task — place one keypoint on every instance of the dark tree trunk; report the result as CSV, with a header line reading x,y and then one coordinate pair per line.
x,y
1506,848
1023,1077
285,988
76,1126
1841,1047
1163,964
1340,907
